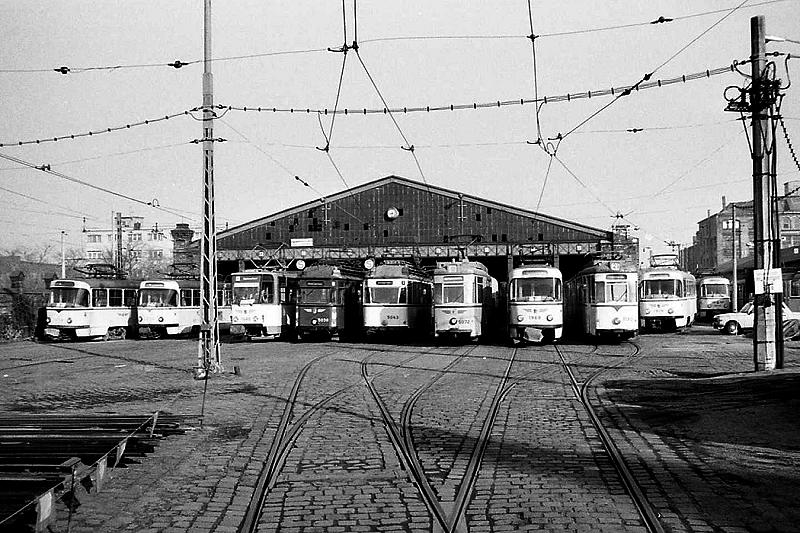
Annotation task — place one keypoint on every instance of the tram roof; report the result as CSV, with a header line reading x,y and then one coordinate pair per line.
x,y
95,283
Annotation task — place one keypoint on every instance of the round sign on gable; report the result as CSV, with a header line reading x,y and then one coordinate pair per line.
x,y
392,213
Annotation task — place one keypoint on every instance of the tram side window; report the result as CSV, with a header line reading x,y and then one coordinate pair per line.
x,y
129,297
480,287
795,288
115,297
403,297
268,291
99,297
190,297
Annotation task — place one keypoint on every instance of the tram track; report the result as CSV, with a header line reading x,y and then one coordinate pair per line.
x,y
447,516
287,433
647,512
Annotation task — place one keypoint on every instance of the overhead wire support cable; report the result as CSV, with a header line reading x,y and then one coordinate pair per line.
x,y
329,136
408,146
533,38
650,74
571,173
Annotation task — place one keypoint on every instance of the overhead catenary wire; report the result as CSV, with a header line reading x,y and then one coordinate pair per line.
x,y
91,133
29,197
178,64
322,198
568,97
46,168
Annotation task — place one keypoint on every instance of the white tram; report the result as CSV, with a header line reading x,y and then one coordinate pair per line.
x,y
263,304
172,307
601,301
397,297
667,296
713,296
535,304
464,300
91,308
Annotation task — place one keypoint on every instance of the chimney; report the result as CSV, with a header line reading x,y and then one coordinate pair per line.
x,y
181,239
724,203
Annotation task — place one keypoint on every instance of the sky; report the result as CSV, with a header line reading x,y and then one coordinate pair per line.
x,y
663,179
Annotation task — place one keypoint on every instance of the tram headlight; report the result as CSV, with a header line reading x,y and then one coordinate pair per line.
x,y
69,321
313,321
616,321
161,319
549,318
47,320
670,311
140,318
520,318
647,311
453,321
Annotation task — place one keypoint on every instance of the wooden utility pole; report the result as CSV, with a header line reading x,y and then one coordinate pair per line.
x,y
768,329
208,350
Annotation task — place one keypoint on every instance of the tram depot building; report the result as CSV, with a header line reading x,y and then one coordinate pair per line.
x,y
402,219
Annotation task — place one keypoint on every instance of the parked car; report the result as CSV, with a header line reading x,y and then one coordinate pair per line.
x,y
735,323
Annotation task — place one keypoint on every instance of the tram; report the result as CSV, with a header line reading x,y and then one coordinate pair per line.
x,y
535,304
713,297
169,307
601,301
329,302
667,295
464,300
263,304
91,308
397,297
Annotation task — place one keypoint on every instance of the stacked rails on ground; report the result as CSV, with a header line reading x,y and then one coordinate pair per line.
x,y
46,458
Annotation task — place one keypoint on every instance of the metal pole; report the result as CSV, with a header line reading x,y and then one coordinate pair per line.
x,y
63,261
208,352
764,330
735,292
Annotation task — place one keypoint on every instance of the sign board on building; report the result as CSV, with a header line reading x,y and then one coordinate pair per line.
x,y
768,281
301,243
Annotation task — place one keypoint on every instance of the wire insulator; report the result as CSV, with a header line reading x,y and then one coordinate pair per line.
x,y
177,64
62,70
661,20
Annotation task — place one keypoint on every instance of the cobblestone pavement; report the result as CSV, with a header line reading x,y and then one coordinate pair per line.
x,y
713,445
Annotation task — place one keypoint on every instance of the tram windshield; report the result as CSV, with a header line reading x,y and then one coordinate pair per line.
x,y
314,295
158,298
715,290
63,297
249,294
654,289
448,294
386,295
613,291
536,289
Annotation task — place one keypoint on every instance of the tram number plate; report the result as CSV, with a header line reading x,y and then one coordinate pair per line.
x,y
393,317
461,321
